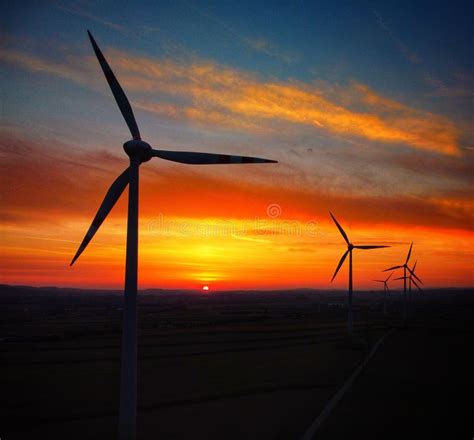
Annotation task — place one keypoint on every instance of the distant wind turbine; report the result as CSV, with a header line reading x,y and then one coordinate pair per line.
x,y
138,152
405,269
350,247
385,291
411,279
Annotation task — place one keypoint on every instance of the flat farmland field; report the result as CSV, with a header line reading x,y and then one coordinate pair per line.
x,y
234,365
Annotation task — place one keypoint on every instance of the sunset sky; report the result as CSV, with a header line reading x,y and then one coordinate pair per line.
x,y
367,107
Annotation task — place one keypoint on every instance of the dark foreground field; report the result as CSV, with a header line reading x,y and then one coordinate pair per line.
x,y
255,365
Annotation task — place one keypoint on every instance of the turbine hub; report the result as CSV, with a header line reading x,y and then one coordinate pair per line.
x,y
350,246
138,149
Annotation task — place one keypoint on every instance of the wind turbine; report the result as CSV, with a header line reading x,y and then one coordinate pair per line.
x,y
138,152
411,279
350,247
405,268
385,291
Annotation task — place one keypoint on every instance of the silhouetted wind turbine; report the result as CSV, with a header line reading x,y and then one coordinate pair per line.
x,y
411,279
385,291
138,152
405,268
350,247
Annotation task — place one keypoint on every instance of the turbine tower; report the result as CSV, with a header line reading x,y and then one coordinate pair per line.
x,y
405,269
138,152
385,291
350,247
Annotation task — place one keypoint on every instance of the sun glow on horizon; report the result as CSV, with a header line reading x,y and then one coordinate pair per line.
x,y
273,258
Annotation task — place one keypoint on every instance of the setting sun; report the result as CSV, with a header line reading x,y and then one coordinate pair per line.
x,y
205,288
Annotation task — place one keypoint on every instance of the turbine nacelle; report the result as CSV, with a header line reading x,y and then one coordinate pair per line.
x,y
138,149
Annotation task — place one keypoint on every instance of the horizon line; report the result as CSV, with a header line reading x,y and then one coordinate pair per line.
x,y
314,289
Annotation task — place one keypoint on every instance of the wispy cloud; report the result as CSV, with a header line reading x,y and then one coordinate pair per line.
x,y
66,68
461,87
36,177
266,47
81,13
206,92
246,99
257,44
402,47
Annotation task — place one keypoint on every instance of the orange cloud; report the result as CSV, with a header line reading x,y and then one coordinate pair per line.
x,y
36,175
243,95
69,70
223,97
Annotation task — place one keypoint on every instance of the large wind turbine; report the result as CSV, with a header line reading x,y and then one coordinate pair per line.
x,y
405,269
350,247
385,291
138,152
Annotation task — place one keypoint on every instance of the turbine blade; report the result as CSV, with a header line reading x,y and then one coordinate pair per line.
x,y
392,268
409,253
379,281
113,194
341,261
370,247
117,91
340,228
415,283
400,278
207,158
414,275
391,273
414,266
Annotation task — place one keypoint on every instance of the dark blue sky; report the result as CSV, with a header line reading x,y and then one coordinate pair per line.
x,y
362,40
